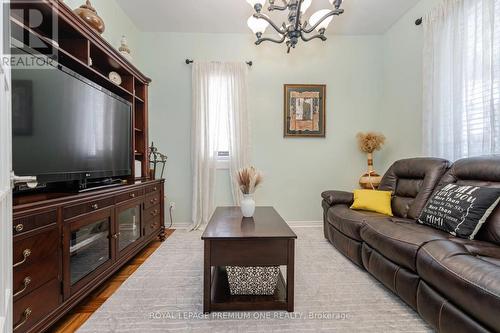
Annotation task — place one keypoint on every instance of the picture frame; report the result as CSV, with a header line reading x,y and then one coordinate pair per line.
x,y
304,110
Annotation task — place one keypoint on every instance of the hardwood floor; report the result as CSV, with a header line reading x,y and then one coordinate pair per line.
x,y
79,315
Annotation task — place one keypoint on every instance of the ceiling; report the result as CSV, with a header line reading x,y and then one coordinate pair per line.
x,y
361,17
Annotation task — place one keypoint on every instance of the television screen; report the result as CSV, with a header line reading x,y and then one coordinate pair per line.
x,y
67,128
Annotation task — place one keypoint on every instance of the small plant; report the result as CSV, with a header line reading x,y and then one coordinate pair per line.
x,y
370,141
249,179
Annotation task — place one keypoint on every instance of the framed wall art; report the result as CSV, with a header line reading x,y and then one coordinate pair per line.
x,y
305,108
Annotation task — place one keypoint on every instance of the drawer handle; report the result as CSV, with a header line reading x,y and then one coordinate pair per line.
x,y
26,315
154,212
154,188
95,206
26,254
19,227
132,195
26,281
115,236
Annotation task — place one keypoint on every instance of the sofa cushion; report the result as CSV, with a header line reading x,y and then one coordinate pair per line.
x,y
399,239
460,210
373,201
412,182
465,272
479,171
349,221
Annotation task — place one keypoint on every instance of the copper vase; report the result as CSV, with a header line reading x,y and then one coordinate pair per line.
x,y
88,14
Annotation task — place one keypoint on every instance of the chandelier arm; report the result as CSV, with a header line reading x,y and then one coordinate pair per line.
x,y
264,17
267,39
333,12
320,36
272,6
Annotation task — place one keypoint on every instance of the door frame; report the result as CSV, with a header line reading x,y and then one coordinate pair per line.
x,y
5,177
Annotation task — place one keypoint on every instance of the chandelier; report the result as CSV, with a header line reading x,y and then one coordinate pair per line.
x,y
295,28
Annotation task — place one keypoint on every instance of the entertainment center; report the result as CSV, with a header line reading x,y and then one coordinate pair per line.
x,y
67,242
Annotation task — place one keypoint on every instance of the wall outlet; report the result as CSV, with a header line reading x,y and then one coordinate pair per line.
x,y
172,205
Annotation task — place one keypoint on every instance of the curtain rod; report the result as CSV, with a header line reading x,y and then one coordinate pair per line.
x,y
418,21
190,61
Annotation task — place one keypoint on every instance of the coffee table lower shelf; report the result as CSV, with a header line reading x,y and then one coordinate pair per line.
x,y
222,300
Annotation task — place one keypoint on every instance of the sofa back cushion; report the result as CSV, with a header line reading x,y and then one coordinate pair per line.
x,y
412,182
479,171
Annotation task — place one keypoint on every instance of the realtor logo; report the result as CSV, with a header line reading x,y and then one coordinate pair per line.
x,y
33,36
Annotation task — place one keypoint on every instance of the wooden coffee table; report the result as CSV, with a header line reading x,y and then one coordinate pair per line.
x,y
231,240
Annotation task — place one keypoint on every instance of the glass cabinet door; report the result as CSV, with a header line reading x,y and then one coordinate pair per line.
x,y
89,248
129,226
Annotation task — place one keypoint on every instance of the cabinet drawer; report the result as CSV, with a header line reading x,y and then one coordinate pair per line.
x,y
152,200
151,212
152,226
89,206
31,276
34,221
35,306
129,195
31,251
152,188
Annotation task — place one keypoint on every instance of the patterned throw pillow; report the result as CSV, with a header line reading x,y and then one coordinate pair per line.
x,y
460,210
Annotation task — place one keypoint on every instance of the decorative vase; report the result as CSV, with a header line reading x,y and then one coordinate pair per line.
x,y
125,49
88,14
371,179
248,205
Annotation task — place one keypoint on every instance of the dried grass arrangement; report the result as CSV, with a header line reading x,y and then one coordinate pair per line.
x,y
249,179
370,141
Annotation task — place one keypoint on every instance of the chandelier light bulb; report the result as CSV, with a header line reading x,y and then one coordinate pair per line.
x,y
316,17
257,25
305,6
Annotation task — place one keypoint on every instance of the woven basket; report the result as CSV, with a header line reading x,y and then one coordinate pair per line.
x,y
252,280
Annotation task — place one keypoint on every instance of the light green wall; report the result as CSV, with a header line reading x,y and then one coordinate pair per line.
x,y
295,170
373,83
401,108
117,24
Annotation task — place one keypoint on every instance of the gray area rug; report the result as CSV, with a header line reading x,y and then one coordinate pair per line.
x,y
331,295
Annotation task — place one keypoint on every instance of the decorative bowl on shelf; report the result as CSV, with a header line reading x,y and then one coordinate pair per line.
x,y
89,15
115,78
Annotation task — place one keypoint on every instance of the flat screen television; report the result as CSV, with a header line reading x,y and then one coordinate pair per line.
x,y
67,128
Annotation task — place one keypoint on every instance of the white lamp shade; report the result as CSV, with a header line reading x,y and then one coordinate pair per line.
x,y
257,25
316,17
261,2
305,6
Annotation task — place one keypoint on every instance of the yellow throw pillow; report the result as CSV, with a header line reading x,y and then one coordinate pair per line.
x,y
373,201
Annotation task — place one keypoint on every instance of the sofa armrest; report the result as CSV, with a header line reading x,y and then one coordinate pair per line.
x,y
338,197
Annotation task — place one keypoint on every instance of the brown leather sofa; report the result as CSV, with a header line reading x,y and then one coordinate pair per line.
x,y
453,283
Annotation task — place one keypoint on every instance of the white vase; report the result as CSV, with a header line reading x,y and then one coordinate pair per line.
x,y
247,205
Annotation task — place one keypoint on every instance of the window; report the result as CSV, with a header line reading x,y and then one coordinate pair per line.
x,y
219,116
462,79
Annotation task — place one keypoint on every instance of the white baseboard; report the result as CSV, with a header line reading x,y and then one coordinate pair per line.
x,y
305,224
293,224
180,225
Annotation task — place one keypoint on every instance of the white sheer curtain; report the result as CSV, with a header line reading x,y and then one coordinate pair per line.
x,y
462,79
220,119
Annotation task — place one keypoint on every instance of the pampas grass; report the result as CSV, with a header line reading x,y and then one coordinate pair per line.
x,y
370,141
248,179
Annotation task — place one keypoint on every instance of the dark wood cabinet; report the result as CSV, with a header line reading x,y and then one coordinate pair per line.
x,y
66,245
128,226
88,248
70,243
